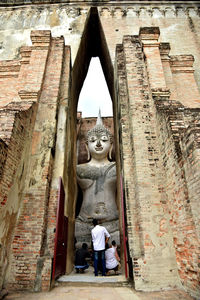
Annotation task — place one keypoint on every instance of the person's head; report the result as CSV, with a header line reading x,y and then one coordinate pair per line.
x,y
95,222
84,246
114,243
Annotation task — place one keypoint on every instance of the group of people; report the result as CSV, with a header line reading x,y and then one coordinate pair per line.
x,y
105,256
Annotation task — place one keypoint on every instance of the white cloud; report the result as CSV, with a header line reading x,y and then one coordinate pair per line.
x,y
94,93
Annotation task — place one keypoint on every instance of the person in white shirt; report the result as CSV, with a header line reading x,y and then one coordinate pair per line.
x,y
100,236
112,258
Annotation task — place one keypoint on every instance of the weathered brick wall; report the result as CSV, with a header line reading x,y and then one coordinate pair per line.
x,y
59,150
181,191
26,172
16,130
179,24
149,234
183,77
191,155
12,129
3,155
29,246
14,169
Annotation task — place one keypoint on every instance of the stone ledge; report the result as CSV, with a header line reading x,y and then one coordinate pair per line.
x,y
161,94
29,95
8,115
9,68
182,63
116,9
149,33
14,107
25,53
164,49
182,60
40,39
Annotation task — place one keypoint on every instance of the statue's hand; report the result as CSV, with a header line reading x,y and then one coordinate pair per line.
x,y
84,183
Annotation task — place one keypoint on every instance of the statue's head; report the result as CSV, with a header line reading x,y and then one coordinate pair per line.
x,y
99,140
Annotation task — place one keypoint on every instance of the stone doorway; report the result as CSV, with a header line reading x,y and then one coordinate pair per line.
x,y
93,44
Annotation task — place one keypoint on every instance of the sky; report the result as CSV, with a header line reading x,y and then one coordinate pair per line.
x,y
94,93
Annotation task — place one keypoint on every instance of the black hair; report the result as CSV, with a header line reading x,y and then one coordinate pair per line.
x,y
84,246
113,243
95,222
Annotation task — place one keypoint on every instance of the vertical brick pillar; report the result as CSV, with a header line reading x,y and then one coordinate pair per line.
x,y
179,148
20,85
190,144
149,236
34,61
149,37
183,76
165,58
59,162
31,266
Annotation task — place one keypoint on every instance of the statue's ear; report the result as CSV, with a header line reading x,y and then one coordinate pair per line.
x,y
88,152
110,152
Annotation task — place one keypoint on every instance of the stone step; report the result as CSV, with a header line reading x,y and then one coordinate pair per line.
x,y
88,278
99,283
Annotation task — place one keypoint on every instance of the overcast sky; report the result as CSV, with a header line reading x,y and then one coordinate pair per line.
x,y
95,94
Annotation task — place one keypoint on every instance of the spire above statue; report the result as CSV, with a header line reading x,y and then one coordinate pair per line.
x,y
99,119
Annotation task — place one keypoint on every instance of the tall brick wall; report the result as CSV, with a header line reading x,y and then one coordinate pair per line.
x,y
27,156
14,164
60,154
3,155
149,234
173,121
191,154
29,246
25,77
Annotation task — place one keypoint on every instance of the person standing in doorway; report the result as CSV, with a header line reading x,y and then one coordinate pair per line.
x,y
100,237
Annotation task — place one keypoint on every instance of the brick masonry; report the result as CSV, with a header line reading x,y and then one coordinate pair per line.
x,y
156,188
148,229
16,135
181,189
33,158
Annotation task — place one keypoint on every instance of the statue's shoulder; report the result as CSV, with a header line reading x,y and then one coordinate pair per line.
x,y
80,168
111,169
83,170
112,163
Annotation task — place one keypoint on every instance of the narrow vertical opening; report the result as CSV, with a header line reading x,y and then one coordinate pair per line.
x,y
92,47
94,94
94,97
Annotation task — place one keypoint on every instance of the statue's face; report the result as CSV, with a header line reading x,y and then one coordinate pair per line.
x,y
99,145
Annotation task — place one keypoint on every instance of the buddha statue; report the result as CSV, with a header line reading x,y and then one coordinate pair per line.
x,y
97,180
